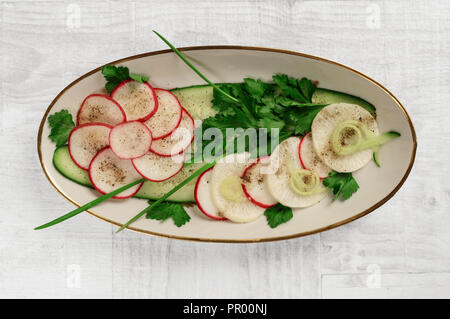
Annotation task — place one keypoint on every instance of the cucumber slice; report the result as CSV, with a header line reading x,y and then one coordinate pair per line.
x,y
154,190
196,100
326,96
66,166
150,190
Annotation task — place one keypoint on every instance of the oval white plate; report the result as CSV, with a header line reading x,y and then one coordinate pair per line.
x,y
232,64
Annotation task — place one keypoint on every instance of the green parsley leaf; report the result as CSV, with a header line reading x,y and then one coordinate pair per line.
x,y
139,78
114,75
167,210
61,124
299,120
299,90
255,88
278,214
342,184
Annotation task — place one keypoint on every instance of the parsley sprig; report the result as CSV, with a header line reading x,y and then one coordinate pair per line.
x,y
278,214
114,75
166,210
61,124
342,184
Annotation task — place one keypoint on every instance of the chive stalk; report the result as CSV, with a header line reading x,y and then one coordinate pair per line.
x,y
89,205
182,57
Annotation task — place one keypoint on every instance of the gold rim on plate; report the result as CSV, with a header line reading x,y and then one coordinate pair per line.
x,y
234,47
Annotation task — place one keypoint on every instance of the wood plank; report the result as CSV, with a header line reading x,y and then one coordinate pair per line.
x,y
424,285
147,267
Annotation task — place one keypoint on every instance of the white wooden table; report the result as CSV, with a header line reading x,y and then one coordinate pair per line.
x,y
400,250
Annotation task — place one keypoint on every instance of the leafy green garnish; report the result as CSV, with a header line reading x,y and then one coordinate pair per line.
x,y
114,75
298,90
342,184
285,104
61,124
166,210
278,214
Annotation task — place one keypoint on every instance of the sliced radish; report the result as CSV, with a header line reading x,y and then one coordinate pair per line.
x,y
178,141
167,117
86,140
202,194
283,160
108,172
309,158
253,184
226,190
322,129
99,108
130,139
157,168
138,100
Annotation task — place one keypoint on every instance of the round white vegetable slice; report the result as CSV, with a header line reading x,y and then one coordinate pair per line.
x,y
157,168
202,194
138,100
167,117
253,184
86,140
226,190
283,160
309,158
99,108
108,172
130,139
322,129
178,141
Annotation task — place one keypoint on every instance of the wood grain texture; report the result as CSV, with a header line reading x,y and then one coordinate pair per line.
x,y
401,250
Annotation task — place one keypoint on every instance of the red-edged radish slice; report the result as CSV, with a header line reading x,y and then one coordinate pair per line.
x,y
138,100
99,108
167,117
253,184
86,140
178,141
226,190
157,168
130,140
202,194
309,158
108,172
283,161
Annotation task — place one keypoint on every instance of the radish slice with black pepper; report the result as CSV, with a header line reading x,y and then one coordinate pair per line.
x,y
325,123
178,141
167,117
108,172
253,184
226,190
309,158
157,168
130,139
86,140
138,100
202,194
99,108
283,165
